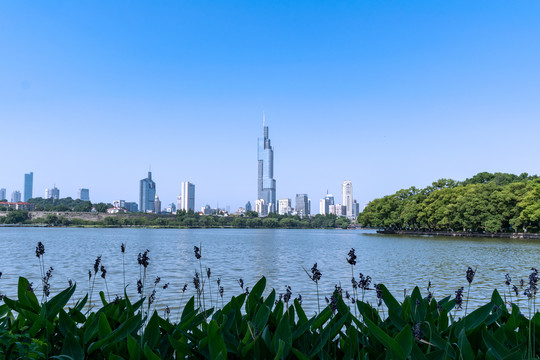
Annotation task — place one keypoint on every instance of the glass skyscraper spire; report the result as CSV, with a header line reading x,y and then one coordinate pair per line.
x,y
266,182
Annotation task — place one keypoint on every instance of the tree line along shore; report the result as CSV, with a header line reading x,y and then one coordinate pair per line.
x,y
486,202
180,220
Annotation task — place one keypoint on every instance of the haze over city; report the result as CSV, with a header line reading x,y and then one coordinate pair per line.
x,y
385,96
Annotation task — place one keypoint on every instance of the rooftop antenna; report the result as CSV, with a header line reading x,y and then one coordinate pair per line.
x,y
264,119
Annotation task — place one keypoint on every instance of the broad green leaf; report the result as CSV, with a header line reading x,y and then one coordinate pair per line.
x,y
405,340
389,343
72,347
216,345
255,295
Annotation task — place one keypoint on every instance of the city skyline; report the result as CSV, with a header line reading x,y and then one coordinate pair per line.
x,y
387,95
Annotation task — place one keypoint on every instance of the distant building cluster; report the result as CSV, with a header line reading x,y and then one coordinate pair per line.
x,y
266,202
266,190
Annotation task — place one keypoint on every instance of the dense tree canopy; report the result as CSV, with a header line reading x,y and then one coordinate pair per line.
x,y
485,202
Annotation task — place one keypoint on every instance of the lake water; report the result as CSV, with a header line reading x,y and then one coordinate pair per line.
x,y
400,262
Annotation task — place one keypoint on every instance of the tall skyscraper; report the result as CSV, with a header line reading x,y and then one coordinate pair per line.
x,y
52,193
187,201
84,194
347,199
147,194
3,194
28,185
15,196
266,183
248,206
301,205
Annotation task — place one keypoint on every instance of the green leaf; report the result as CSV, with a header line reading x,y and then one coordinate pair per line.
x,y
104,328
405,340
477,317
150,355
72,347
495,348
217,347
151,332
126,328
465,346
181,347
389,343
299,355
255,296
281,348
58,302
389,299
321,318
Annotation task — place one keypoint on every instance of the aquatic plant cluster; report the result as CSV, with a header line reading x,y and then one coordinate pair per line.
x,y
261,324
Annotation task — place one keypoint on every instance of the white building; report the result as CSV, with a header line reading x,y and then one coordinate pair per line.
x,y
119,203
347,197
187,197
284,206
53,193
260,207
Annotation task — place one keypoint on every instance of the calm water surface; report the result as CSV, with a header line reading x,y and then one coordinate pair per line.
x,y
400,262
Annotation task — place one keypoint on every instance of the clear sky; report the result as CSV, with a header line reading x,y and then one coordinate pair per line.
x,y
387,94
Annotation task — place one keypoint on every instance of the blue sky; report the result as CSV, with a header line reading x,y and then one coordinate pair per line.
x,y
388,94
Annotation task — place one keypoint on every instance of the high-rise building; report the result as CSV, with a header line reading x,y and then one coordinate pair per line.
x,y
347,199
187,196
3,194
52,193
266,189
325,204
131,206
147,194
84,195
261,208
284,207
248,206
16,196
301,205
157,205
356,209
28,185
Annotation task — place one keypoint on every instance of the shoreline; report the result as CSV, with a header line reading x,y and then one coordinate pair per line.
x,y
524,236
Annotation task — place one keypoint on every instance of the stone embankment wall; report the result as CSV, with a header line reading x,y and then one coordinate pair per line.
x,y
467,234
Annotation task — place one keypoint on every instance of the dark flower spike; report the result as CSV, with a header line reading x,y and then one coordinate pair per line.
x,y
315,273
470,274
143,259
89,274
96,264
40,249
139,286
184,288
165,286
351,257
459,297
221,290
158,279
123,247
197,252
103,271
241,283
0,274
287,295
208,272
508,279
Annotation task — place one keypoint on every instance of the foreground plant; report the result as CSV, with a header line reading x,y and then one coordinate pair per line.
x,y
257,326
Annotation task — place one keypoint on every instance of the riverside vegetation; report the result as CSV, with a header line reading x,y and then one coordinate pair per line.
x,y
184,219
267,326
486,202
